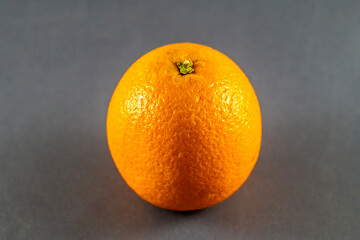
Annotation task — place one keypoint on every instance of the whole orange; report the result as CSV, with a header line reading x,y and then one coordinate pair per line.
x,y
184,127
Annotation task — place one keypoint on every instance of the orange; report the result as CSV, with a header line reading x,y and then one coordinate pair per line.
x,y
184,127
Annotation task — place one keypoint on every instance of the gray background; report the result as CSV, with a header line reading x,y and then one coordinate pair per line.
x,y
61,60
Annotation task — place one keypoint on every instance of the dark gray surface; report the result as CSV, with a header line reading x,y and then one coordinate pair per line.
x,y
60,63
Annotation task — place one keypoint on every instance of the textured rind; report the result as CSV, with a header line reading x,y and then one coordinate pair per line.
x,y
184,142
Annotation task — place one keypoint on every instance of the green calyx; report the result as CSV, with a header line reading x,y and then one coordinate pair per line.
x,y
185,67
